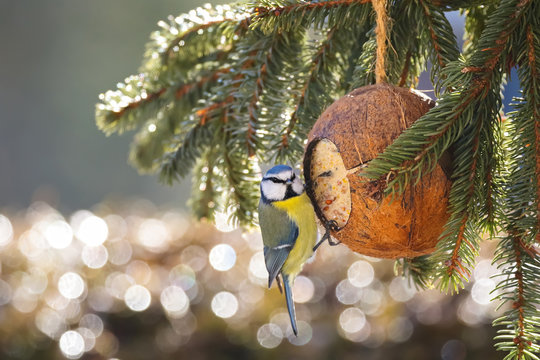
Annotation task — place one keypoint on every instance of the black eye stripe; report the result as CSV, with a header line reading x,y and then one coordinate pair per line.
x,y
276,180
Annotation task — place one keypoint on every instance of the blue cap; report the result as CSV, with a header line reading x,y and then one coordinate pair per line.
x,y
278,169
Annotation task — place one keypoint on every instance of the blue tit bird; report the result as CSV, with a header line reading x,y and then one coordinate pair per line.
x,y
288,227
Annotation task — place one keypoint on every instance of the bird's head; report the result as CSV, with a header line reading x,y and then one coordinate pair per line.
x,y
280,183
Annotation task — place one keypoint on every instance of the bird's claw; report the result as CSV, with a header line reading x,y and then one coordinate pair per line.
x,y
329,225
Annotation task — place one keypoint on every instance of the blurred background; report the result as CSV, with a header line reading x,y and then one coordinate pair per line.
x,y
98,262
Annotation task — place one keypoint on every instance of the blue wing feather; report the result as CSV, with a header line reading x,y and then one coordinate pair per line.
x,y
279,236
275,257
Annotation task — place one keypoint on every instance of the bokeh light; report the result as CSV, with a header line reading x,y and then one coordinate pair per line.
x,y
50,322
118,283
223,222
224,304
347,293
93,323
360,273
92,230
5,293
481,291
195,257
305,333
175,301
120,252
72,344
71,285
59,234
401,289
154,235
35,281
257,269
24,301
6,231
137,298
139,271
269,336
33,245
222,257
303,289
94,257
88,337
183,276
352,320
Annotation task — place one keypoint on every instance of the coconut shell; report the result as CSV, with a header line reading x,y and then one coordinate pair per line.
x,y
361,125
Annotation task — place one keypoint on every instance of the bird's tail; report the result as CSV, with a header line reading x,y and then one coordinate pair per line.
x,y
290,302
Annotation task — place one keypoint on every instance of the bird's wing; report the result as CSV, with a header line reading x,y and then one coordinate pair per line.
x,y
279,235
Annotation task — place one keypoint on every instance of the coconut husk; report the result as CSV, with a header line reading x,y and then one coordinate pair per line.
x,y
356,128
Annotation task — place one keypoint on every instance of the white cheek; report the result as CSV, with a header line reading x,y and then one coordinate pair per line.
x,y
297,186
273,191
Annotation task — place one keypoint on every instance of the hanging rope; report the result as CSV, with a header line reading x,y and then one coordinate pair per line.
x,y
381,36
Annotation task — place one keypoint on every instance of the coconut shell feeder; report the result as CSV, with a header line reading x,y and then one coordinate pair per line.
x,y
348,134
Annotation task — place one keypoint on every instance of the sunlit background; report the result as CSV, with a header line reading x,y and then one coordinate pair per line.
x,y
132,281
127,278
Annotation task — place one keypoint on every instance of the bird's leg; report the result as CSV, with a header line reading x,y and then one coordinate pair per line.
x,y
327,236
278,281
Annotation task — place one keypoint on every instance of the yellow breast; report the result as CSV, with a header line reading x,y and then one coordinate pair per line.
x,y
301,211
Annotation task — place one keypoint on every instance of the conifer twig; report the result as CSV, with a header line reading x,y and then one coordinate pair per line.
x,y
180,91
316,63
518,304
262,12
405,71
531,57
191,32
434,37
454,264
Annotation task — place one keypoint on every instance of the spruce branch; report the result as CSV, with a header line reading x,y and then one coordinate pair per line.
x,y
273,58
458,245
405,72
315,77
239,174
418,270
518,253
318,81
432,134
204,36
449,5
475,23
364,70
519,331
211,27
319,14
253,107
442,37
532,88
177,163
204,194
153,140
